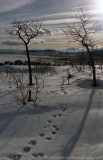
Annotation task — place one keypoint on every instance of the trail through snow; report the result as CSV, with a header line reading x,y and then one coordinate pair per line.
x,y
67,124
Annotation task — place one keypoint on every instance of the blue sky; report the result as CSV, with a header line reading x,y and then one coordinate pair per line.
x,y
54,14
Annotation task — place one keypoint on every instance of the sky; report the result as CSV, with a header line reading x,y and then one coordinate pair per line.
x,y
53,13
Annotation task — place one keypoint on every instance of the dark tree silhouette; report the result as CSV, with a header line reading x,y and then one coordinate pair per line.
x,y
26,31
82,31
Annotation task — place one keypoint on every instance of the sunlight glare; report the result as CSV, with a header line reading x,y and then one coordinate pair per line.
x,y
99,6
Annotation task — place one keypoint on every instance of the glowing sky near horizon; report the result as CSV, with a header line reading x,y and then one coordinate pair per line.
x,y
99,6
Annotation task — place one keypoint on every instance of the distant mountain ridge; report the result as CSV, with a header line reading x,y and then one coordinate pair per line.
x,y
35,52
50,52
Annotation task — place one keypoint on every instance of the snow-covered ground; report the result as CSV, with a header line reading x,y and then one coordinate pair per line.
x,y
66,125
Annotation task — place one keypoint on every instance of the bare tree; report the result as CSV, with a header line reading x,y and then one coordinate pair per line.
x,y
26,31
24,90
82,31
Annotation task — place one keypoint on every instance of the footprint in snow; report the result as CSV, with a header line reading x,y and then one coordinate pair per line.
x,y
45,127
41,154
49,121
59,115
35,155
41,134
14,156
55,126
57,129
48,138
63,109
54,116
53,132
38,155
26,149
32,142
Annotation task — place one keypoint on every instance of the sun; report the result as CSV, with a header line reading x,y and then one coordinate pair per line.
x,y
99,5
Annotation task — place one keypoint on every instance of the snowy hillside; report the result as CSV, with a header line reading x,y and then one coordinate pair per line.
x,y
67,123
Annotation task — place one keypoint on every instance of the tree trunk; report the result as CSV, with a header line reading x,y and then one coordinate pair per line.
x,y
29,65
29,99
94,76
93,65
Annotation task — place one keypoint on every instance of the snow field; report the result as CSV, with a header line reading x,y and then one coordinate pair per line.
x,y
67,123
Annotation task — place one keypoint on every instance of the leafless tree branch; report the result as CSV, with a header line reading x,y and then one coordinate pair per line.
x,y
82,32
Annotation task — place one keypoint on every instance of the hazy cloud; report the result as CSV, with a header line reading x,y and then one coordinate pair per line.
x,y
39,41
45,31
9,43
42,6
50,32
54,14
7,5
